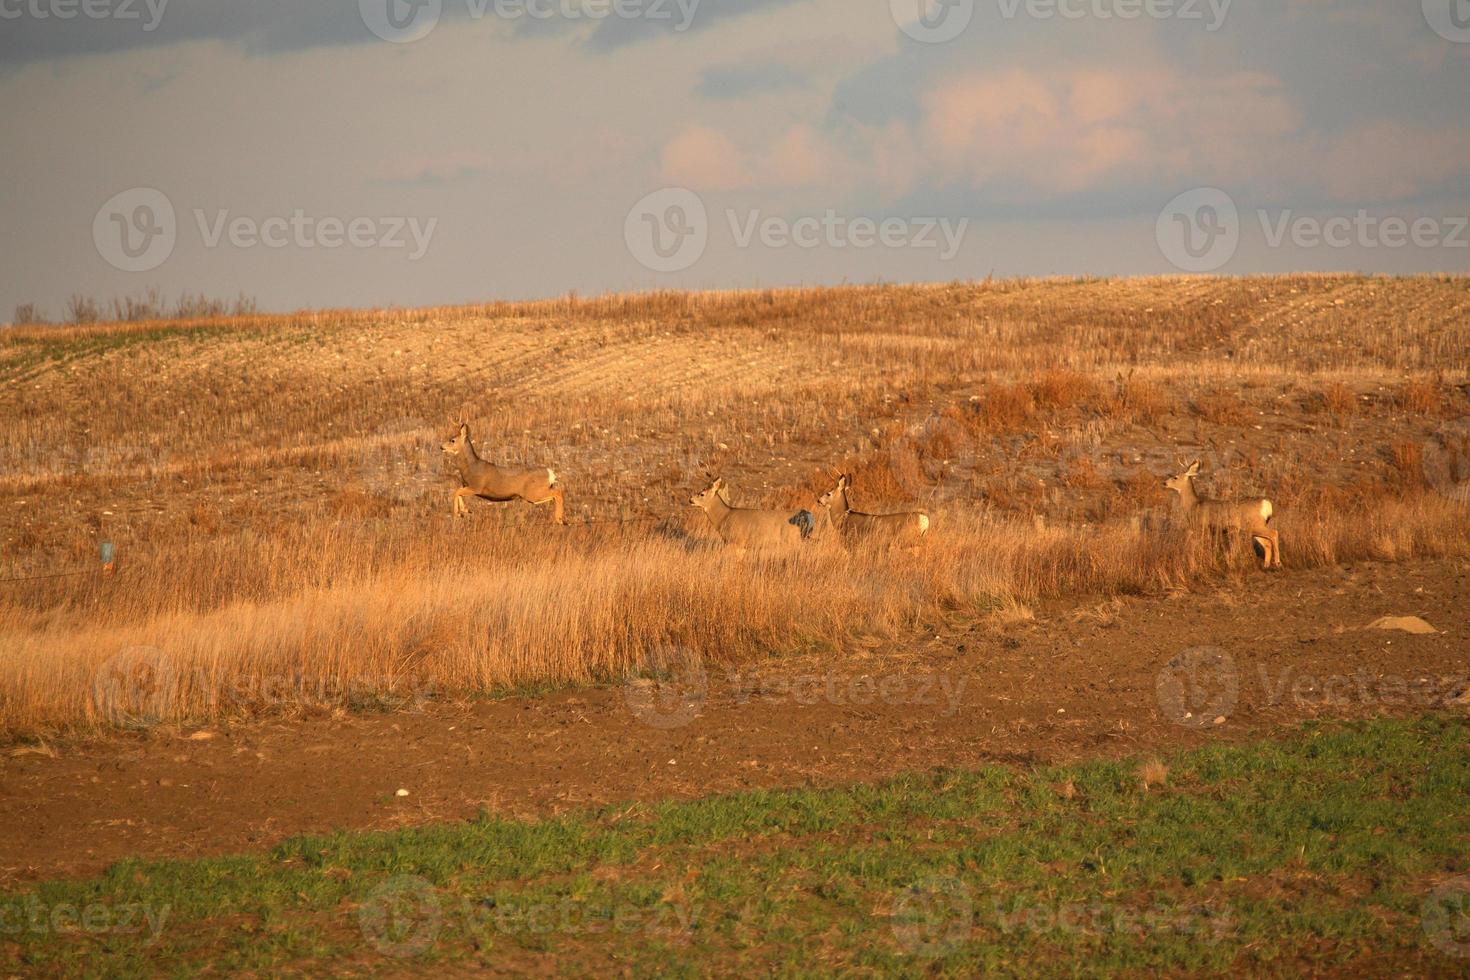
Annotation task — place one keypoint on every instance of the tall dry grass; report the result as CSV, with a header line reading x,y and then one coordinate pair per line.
x,y
578,608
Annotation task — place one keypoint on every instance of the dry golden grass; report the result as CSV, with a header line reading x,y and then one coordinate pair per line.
x,y
281,513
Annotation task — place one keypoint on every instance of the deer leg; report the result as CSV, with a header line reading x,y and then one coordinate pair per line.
x,y
462,509
1268,549
556,499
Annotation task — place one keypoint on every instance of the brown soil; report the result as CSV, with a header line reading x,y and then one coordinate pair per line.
x,y
1077,681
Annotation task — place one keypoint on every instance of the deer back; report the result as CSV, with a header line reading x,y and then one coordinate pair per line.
x,y
750,528
911,524
504,482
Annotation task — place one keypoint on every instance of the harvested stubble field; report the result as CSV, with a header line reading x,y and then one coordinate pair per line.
x,y
965,757
280,509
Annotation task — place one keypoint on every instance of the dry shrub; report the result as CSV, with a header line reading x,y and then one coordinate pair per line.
x,y
1081,474
1059,389
1422,396
944,438
1137,401
1153,773
1325,531
1143,488
1408,462
1221,407
889,474
1339,399
205,518
1006,407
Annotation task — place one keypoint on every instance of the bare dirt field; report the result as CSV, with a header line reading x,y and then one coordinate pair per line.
x,y
1082,680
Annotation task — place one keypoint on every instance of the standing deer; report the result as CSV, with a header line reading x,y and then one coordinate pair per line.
x,y
1251,515
854,524
499,483
743,527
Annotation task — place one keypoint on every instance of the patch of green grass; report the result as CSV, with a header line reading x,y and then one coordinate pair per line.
x,y
1313,852
19,356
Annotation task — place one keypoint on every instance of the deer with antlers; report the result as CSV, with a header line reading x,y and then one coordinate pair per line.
x,y
1252,514
745,528
854,524
499,483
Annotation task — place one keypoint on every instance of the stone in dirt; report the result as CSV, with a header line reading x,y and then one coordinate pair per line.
x,y
1407,624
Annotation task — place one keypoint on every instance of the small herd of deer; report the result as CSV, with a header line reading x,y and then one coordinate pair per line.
x,y
752,529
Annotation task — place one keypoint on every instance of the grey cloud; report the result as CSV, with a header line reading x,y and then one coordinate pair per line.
x,y
274,26
738,81
260,26
617,32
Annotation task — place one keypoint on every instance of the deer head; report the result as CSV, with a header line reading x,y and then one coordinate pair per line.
x,y
839,488
1183,483
460,444
704,499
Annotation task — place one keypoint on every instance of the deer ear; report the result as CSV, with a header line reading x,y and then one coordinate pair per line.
x,y
1193,468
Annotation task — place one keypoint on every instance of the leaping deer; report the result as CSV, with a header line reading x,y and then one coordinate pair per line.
x,y
744,527
1251,515
498,483
853,524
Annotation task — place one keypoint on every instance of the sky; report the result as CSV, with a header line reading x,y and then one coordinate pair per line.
x,y
324,153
